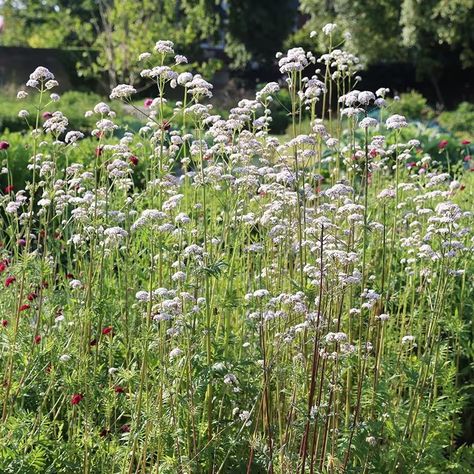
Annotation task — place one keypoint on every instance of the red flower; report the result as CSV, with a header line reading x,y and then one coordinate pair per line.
x,y
443,144
147,103
69,276
118,389
24,307
47,115
107,330
76,398
465,142
37,339
373,153
32,296
4,145
104,432
412,164
165,125
21,242
9,189
9,280
93,342
125,428
3,266
98,151
134,160
467,158
4,323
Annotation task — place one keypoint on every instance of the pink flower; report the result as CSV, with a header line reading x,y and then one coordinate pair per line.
x,y
32,296
443,144
47,115
76,398
465,142
4,145
9,280
134,160
9,189
107,330
24,307
147,103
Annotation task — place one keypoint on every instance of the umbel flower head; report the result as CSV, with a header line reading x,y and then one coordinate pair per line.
x,y
122,91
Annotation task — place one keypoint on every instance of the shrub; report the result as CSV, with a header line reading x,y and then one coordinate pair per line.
x,y
412,105
459,121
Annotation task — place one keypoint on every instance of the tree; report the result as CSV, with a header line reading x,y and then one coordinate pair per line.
x,y
112,33
257,30
421,31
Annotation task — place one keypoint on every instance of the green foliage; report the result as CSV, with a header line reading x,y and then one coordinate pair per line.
x,y
250,30
72,103
424,32
459,121
412,105
281,112
200,296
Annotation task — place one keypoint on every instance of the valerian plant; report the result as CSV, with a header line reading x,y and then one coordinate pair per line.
x,y
208,298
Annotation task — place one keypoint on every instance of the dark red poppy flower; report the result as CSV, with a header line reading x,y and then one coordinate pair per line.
x,y
9,280
4,323
4,145
107,330
134,160
147,102
3,267
69,276
125,428
9,189
24,307
47,115
104,432
165,125
465,142
443,144
93,342
37,339
76,398
119,389
98,151
32,296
